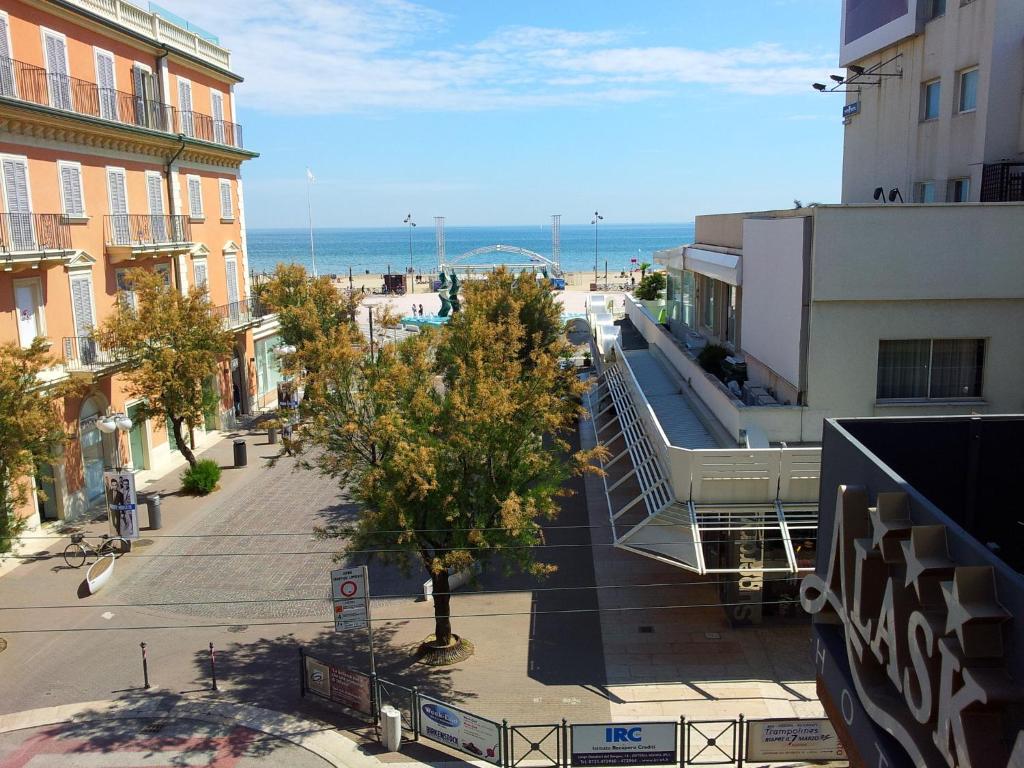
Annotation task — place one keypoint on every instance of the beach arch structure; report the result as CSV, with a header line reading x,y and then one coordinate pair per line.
x,y
511,259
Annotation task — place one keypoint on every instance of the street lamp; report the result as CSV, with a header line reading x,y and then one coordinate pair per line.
x,y
408,220
369,309
597,217
111,423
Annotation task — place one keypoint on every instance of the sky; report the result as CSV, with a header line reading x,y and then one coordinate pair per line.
x,y
505,112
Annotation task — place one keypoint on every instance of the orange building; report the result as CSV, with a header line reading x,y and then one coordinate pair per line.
x,y
119,148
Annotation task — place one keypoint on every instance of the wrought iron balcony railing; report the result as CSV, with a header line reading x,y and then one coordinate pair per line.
x,y
84,354
28,82
196,125
243,312
1002,183
33,233
146,229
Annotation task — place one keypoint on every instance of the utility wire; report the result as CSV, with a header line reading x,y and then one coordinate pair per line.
x,y
402,618
326,598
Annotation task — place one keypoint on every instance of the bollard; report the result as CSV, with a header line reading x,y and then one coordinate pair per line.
x,y
213,666
390,728
145,665
153,509
241,459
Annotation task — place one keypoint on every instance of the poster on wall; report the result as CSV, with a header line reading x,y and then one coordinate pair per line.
x,y
122,503
460,730
344,686
786,740
630,744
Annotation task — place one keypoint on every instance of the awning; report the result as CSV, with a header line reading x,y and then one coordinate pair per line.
x,y
670,257
726,267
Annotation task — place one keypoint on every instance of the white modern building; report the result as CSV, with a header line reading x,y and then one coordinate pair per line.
x,y
934,90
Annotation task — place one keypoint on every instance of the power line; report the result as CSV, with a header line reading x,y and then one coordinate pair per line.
x,y
414,595
402,618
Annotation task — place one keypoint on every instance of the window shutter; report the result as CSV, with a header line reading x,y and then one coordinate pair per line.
x,y
217,103
185,107
118,206
71,184
81,303
195,197
105,80
19,206
139,89
7,87
225,200
199,274
57,73
155,191
231,266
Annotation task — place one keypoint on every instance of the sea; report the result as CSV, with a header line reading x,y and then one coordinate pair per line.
x,y
379,250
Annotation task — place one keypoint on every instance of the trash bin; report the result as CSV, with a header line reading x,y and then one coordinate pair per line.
x,y
240,455
153,509
272,435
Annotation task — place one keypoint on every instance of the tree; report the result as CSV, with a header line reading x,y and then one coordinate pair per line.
x,y
453,441
306,306
31,429
644,266
650,286
173,343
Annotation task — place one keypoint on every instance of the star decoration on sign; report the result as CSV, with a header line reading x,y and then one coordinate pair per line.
x,y
973,611
928,562
890,524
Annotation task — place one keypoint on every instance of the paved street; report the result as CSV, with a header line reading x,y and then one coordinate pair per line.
x,y
220,572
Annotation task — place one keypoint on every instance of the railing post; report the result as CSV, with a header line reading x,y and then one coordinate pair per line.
x,y
415,713
374,704
682,741
504,743
302,673
145,666
213,667
740,741
565,744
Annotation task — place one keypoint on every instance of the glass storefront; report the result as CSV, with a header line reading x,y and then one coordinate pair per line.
x,y
268,365
97,452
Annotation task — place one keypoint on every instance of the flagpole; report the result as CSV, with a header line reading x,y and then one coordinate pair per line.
x,y
309,211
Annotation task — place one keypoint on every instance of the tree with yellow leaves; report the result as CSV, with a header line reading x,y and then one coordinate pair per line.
x,y
452,441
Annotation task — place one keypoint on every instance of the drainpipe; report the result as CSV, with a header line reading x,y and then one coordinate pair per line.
x,y
176,266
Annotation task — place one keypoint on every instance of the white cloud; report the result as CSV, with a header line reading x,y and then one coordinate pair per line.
x,y
324,57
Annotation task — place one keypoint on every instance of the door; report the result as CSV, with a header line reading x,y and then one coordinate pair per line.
x,y
185,107
217,103
28,302
94,452
157,222
19,207
118,190
107,85
81,305
8,86
232,280
46,492
137,439
147,114
57,71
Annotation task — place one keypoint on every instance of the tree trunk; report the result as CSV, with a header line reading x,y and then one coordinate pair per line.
x,y
442,608
179,438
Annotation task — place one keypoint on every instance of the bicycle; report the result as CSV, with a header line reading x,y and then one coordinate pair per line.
x,y
76,554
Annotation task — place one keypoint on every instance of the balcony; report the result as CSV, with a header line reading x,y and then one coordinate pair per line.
x,y
84,357
131,236
1002,183
27,240
241,314
27,82
196,125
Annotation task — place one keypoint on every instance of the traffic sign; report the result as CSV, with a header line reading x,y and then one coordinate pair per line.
x,y
350,598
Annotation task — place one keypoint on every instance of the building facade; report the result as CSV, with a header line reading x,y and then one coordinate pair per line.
x,y
934,100
119,149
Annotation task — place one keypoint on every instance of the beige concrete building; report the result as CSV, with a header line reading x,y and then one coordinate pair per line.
x,y
934,101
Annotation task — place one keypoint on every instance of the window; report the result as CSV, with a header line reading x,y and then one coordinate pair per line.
x,y
930,369
195,197
227,212
71,189
689,300
731,293
930,101
58,82
968,101
934,9
185,107
199,273
925,192
28,300
107,84
959,190
164,270
8,86
125,292
708,303
217,111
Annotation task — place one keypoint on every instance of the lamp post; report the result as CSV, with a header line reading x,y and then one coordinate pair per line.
x,y
369,310
597,217
408,220
111,423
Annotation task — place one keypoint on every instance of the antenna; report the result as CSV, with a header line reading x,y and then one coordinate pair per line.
x,y
556,240
439,236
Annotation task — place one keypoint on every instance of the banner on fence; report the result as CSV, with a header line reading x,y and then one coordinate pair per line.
x,y
460,730
629,744
785,740
344,686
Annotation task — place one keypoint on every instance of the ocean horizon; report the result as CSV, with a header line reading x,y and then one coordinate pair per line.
x,y
375,250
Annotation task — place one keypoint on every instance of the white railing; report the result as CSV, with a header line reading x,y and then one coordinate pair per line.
x,y
158,28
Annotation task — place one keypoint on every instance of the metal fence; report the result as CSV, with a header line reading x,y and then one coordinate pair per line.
x,y
680,742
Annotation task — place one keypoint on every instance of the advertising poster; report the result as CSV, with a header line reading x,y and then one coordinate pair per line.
x,y
626,744
122,504
460,730
345,686
787,740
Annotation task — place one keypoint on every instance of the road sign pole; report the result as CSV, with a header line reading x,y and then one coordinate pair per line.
x,y
369,618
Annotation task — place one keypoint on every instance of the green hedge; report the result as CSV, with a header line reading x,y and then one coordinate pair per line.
x,y
202,478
